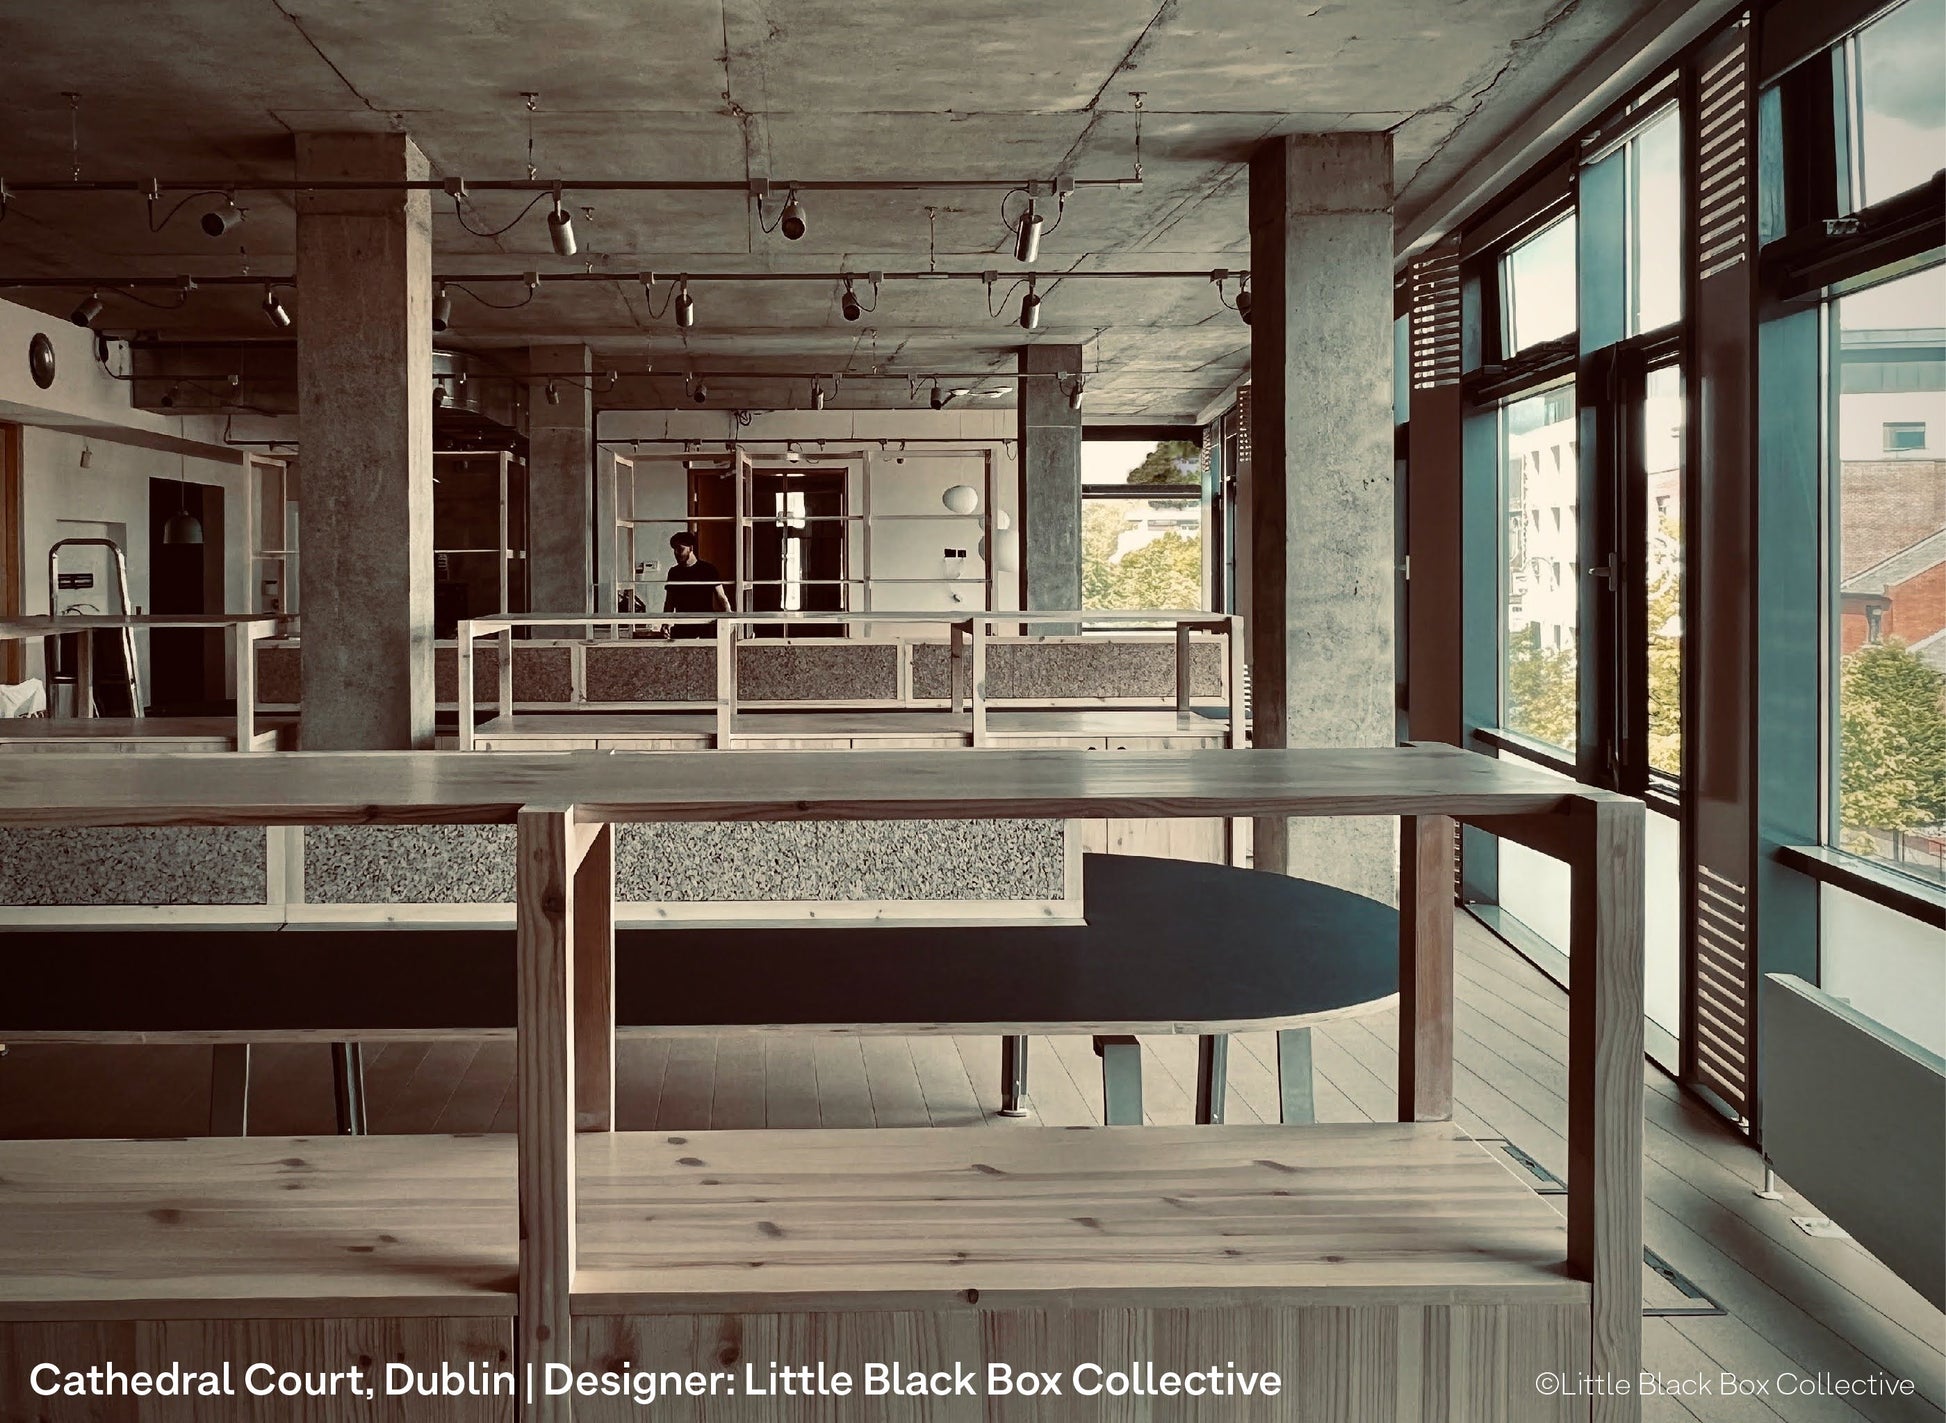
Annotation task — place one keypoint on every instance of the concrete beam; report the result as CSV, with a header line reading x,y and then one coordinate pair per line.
x,y
364,378
1050,482
560,481
1321,487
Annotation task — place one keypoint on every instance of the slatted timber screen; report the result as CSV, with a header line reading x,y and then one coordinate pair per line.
x,y
1720,969
1723,169
1435,296
1721,996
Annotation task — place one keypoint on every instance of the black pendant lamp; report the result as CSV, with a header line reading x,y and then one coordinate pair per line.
x,y
182,527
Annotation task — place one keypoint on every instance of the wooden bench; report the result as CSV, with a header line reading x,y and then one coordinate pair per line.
x,y
1443,1289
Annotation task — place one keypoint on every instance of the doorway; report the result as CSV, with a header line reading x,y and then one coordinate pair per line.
x,y
186,665
797,547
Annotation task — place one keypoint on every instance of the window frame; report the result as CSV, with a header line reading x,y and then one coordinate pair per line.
x,y
1828,859
1197,435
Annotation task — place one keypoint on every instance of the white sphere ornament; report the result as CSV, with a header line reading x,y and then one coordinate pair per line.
x,y
961,499
1002,519
1006,551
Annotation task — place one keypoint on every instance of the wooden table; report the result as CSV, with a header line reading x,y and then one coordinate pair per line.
x,y
244,628
564,803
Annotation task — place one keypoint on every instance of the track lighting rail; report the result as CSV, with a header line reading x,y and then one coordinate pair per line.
x,y
149,186
646,278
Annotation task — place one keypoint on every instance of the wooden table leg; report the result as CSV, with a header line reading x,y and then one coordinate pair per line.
x,y
1426,969
544,1085
1605,1011
594,983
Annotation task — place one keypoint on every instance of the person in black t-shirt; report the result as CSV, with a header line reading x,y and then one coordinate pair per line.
x,y
694,586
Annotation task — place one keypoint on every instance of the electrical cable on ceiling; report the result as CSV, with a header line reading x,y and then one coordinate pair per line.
x,y
460,213
496,305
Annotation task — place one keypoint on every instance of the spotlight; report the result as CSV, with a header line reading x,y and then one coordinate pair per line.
x,y
1243,304
700,394
685,307
85,314
1030,310
1027,240
817,396
221,218
791,224
553,393
848,303
442,310
274,309
87,456
938,400
560,229
1075,395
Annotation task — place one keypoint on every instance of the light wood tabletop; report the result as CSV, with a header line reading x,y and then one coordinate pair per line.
x,y
899,1218
426,787
916,1218
256,1227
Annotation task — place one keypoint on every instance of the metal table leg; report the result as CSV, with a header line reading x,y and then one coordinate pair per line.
x,y
1212,1077
348,1087
1295,1094
1121,1079
1013,1076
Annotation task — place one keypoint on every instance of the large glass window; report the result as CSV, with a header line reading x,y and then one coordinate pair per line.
x,y
1142,525
1655,223
1662,431
1537,287
1540,493
1898,105
1890,564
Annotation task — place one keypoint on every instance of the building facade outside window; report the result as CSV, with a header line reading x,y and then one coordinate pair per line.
x,y
1540,478
1888,748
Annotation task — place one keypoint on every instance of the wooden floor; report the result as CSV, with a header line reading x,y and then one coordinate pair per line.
x,y
1795,1304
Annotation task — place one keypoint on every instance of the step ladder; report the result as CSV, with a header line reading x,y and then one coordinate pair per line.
x,y
117,690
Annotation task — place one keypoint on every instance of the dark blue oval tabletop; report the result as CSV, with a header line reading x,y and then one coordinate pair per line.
x,y
1165,941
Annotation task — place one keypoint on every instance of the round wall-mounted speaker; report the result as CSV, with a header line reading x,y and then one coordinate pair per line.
x,y
40,360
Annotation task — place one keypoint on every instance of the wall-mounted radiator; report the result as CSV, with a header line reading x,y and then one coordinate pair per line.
x,y
1854,1118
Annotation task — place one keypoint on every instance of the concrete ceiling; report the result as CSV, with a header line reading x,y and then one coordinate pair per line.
x,y
735,89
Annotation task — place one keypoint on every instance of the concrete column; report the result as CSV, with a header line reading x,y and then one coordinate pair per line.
x,y
364,390
1321,497
1050,484
560,481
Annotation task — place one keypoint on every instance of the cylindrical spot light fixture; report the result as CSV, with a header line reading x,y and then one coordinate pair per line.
x,y
221,218
442,310
792,223
560,229
274,309
1243,304
1030,310
85,314
848,303
1027,237
685,307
